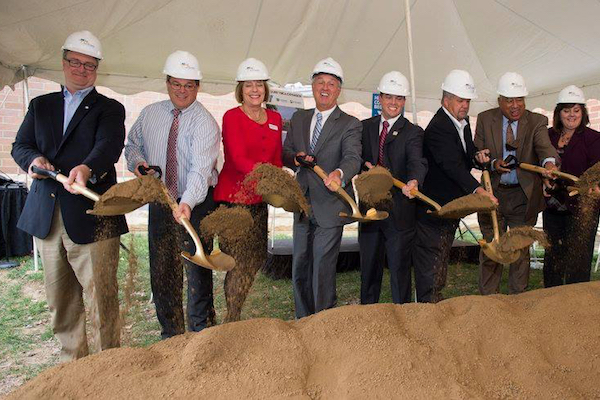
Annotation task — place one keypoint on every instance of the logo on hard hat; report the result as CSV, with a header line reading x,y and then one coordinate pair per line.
x,y
186,65
85,42
251,68
469,87
516,84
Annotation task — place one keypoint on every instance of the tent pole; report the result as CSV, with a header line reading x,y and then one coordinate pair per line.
x,y
411,66
36,261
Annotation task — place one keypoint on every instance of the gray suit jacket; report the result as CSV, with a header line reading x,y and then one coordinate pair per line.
x,y
339,146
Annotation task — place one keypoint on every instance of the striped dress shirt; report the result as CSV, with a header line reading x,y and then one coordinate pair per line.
x,y
198,146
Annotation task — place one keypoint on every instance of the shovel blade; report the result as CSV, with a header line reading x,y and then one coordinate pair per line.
x,y
491,250
378,216
216,262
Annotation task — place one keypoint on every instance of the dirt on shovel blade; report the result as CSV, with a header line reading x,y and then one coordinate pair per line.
x,y
466,205
128,196
267,179
374,186
232,226
521,238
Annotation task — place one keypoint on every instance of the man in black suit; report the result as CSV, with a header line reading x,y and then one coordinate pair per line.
x,y
81,133
391,141
450,152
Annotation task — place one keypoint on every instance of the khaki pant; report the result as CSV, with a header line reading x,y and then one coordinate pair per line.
x,y
511,213
70,269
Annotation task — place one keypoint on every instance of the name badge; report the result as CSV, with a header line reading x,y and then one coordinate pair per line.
x,y
274,127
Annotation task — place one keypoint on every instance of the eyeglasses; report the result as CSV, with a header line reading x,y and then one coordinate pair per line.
x,y
76,64
177,86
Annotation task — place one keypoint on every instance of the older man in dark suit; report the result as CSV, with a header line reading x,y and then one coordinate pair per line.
x,y
393,142
449,149
81,133
510,129
332,137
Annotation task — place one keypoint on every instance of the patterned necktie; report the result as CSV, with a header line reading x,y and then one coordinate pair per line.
x,y
382,136
316,132
171,173
510,138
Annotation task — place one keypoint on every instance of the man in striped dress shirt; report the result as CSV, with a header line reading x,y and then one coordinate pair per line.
x,y
183,138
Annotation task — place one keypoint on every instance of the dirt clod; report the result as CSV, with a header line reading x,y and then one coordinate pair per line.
x,y
521,238
466,205
374,186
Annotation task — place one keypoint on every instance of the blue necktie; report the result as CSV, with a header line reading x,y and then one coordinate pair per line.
x,y
316,133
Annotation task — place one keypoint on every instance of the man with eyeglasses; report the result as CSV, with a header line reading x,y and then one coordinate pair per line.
x,y
181,137
80,133
510,129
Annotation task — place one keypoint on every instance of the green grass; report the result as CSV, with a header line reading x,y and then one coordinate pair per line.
x,y
25,325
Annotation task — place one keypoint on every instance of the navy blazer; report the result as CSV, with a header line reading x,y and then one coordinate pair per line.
x,y
403,153
95,137
449,175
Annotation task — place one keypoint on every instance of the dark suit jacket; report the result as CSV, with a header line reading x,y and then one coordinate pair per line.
x,y
403,154
449,175
95,137
338,147
533,146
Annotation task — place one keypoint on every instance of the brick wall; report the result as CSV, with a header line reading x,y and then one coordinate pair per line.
x,y
11,114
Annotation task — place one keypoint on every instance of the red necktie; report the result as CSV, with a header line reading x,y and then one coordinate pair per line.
x,y
382,137
171,173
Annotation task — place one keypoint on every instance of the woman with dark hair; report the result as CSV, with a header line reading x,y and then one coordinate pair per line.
x,y
251,135
571,222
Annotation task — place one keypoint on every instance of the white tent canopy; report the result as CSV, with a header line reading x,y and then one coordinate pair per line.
x,y
552,43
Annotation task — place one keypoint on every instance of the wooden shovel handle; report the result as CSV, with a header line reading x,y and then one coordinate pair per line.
x,y
541,170
418,195
323,175
487,184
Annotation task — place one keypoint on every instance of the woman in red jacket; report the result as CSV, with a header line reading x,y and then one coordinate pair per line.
x,y
251,135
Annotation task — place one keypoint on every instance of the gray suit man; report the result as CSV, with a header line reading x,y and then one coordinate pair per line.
x,y
333,138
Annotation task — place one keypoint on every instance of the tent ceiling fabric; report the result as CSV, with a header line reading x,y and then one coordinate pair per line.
x,y
552,43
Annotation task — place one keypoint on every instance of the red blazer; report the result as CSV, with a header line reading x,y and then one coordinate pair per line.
x,y
246,143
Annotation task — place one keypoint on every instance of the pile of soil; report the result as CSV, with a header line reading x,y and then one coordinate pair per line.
x,y
540,344
128,196
520,238
374,186
589,180
463,206
268,180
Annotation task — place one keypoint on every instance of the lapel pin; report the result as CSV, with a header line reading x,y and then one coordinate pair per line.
x,y
395,133
87,107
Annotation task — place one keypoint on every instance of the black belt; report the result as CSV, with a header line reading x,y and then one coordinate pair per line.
x,y
510,186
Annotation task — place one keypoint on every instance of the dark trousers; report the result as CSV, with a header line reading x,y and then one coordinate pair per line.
x,y
314,262
166,240
378,240
569,257
511,214
431,254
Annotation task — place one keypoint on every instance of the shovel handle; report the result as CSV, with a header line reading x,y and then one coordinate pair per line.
x,y
90,194
418,195
487,184
541,170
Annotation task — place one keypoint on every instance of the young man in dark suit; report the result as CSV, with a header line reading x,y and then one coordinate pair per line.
x,y
81,133
391,141
450,152
333,138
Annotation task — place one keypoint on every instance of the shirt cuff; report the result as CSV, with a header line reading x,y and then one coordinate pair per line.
x,y
549,159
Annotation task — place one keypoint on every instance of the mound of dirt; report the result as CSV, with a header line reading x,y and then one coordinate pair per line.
x,y
130,195
374,186
540,344
270,182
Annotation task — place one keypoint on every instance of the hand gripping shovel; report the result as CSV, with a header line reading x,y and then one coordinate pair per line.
x,y
513,163
455,209
371,215
492,249
217,260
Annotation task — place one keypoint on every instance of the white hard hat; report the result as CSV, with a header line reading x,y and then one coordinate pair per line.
x,y
571,95
182,65
84,42
329,66
512,84
460,83
394,83
252,69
